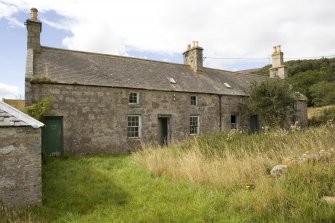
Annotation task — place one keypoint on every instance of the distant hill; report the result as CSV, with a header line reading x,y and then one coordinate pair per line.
x,y
249,71
313,78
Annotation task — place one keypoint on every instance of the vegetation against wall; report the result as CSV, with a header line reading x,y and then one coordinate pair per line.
x,y
273,100
40,109
313,78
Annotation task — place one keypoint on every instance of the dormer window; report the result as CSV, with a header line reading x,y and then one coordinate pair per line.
x,y
194,100
133,98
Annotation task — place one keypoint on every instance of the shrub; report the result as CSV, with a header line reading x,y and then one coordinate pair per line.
x,y
40,109
273,100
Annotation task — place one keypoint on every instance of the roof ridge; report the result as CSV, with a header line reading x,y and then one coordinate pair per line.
x,y
111,55
211,68
236,72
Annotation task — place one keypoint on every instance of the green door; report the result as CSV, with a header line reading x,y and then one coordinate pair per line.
x,y
52,136
254,124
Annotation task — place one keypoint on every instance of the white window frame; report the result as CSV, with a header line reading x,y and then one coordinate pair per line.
x,y
134,126
196,100
137,98
197,127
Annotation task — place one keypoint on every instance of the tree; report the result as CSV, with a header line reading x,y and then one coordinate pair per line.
x,y
273,100
323,93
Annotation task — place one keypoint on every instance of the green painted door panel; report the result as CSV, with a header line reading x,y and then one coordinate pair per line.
x,y
254,123
52,136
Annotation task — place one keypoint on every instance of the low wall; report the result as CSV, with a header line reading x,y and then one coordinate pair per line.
x,y
20,166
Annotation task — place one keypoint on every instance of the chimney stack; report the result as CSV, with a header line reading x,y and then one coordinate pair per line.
x,y
34,27
278,68
193,56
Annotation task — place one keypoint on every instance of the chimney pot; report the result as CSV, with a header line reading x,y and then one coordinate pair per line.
x,y
188,46
278,49
33,14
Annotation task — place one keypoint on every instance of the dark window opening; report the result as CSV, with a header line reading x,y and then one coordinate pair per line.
x,y
193,100
233,122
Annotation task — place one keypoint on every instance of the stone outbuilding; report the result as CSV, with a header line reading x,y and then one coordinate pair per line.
x,y
20,158
107,104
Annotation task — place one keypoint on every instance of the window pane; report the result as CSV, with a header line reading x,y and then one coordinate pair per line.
x,y
194,124
133,98
133,126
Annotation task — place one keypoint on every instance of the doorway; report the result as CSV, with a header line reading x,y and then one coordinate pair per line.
x,y
254,123
52,136
164,130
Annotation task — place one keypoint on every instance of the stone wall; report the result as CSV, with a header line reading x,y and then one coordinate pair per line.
x,y
20,166
95,118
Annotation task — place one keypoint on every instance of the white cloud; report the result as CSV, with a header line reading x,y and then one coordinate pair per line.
x,y
9,91
224,28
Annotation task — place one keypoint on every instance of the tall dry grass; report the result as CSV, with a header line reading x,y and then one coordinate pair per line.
x,y
233,159
239,165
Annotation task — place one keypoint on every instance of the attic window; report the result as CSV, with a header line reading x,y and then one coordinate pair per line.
x,y
133,98
172,80
227,85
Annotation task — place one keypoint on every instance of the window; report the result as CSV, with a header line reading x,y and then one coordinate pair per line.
x,y
193,100
233,121
133,98
194,125
134,126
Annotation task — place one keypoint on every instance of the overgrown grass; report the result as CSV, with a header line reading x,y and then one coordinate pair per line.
x,y
321,115
202,180
234,161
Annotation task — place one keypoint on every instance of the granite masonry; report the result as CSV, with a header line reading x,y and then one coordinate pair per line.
x,y
20,158
106,104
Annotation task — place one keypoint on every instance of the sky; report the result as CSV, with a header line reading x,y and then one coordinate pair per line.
x,y
161,29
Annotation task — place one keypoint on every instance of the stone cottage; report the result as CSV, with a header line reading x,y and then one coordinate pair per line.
x,y
106,104
20,158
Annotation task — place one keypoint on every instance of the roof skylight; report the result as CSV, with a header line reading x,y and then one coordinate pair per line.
x,y
172,80
227,85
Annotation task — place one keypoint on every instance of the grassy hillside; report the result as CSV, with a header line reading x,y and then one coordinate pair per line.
x,y
202,180
313,78
321,115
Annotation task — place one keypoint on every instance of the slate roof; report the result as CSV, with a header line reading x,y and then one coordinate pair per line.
x,y
76,67
10,116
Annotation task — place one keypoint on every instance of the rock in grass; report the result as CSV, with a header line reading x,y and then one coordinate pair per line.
x,y
317,156
328,199
278,170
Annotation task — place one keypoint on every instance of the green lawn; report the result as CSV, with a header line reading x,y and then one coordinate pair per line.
x,y
115,189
